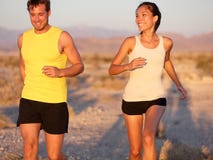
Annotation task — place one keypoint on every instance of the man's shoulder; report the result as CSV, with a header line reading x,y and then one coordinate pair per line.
x,y
56,28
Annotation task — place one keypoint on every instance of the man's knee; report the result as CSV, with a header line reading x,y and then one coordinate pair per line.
x,y
30,151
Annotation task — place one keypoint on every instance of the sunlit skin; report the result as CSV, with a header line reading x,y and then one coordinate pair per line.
x,y
39,18
142,137
30,132
145,20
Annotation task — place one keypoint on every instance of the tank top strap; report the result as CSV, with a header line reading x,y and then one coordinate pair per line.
x,y
161,44
160,39
137,40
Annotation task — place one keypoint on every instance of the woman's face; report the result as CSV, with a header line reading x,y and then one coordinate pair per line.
x,y
145,19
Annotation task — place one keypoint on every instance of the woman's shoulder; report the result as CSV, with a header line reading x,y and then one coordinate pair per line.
x,y
128,43
168,42
130,40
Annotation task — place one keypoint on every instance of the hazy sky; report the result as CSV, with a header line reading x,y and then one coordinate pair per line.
x,y
188,17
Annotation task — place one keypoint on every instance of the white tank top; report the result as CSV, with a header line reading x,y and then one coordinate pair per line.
x,y
145,83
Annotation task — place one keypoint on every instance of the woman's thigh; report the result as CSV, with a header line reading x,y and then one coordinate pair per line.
x,y
134,125
152,118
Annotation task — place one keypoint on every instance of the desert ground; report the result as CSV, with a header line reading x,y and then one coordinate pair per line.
x,y
96,127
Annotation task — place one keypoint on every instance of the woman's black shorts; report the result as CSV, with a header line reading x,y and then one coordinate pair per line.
x,y
140,107
53,117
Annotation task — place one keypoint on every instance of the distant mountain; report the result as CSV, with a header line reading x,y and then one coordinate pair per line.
x,y
202,42
8,39
102,40
98,32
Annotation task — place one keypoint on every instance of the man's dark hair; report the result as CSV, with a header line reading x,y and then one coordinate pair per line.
x,y
34,3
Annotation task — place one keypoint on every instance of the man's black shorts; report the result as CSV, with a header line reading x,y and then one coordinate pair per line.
x,y
54,117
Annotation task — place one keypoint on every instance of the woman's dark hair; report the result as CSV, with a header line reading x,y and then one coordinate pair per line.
x,y
34,3
155,11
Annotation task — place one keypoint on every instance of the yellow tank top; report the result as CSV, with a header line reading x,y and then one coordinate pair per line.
x,y
39,50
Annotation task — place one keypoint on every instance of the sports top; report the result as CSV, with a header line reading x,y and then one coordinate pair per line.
x,y
39,50
145,83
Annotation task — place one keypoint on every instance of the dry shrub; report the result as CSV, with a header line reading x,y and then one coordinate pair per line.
x,y
76,81
96,72
115,83
200,63
17,156
13,156
5,122
97,60
161,130
164,152
205,64
9,61
110,82
179,151
11,85
71,111
10,79
206,154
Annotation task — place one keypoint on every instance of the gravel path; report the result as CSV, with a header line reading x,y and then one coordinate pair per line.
x,y
97,130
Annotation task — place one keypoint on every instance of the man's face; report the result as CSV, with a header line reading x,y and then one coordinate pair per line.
x,y
39,18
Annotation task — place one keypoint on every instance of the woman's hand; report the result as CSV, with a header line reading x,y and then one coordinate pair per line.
x,y
137,63
183,92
